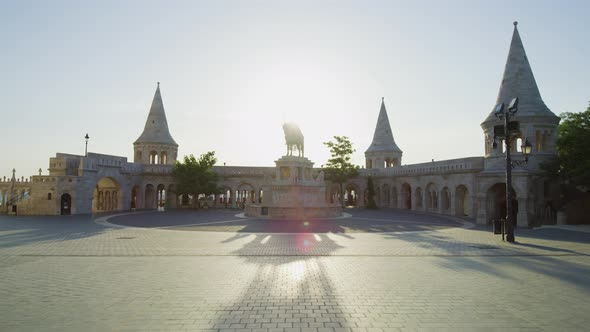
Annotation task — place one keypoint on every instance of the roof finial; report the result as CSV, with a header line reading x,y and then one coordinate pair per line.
x,y
515,23
158,84
382,99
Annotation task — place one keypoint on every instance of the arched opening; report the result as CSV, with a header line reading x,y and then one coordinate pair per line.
x,y
406,196
153,157
163,158
244,195
225,198
496,202
150,197
161,194
66,204
394,197
106,195
351,195
431,197
462,201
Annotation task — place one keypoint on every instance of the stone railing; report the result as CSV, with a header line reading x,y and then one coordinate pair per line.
x,y
157,169
244,170
462,165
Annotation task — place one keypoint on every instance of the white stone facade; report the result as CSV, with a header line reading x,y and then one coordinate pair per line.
x,y
467,187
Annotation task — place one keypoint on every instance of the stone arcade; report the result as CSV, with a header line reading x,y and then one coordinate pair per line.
x,y
469,187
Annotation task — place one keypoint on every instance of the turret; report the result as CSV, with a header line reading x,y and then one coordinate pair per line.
x,y
537,123
383,152
155,145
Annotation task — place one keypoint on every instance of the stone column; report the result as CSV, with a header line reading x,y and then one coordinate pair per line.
x,y
481,208
522,217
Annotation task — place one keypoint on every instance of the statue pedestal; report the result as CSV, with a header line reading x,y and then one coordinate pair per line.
x,y
294,193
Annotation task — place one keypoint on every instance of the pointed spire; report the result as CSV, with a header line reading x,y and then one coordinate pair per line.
x,y
518,81
383,137
156,126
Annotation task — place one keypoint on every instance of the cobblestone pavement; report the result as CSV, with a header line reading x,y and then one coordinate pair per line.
x,y
74,274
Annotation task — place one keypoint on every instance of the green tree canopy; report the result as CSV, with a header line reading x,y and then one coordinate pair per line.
x,y
573,149
195,176
339,169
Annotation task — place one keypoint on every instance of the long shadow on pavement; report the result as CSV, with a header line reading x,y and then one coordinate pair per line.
x,y
288,289
22,231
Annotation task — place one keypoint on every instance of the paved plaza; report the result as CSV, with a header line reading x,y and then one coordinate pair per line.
x,y
385,270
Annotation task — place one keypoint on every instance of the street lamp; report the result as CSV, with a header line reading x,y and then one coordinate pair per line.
x,y
508,132
86,148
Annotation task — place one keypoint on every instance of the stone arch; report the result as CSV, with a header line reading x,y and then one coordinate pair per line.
x,y
161,194
66,204
244,194
150,196
394,197
226,198
431,197
462,201
163,158
351,194
106,196
153,157
406,196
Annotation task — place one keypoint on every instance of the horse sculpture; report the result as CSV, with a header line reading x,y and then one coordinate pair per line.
x,y
293,138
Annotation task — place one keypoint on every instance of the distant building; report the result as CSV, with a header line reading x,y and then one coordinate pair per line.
x,y
468,187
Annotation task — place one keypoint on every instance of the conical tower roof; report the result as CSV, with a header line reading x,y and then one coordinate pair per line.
x,y
518,81
383,138
156,126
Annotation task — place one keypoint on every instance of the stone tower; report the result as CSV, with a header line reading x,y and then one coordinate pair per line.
x,y
155,145
383,151
537,123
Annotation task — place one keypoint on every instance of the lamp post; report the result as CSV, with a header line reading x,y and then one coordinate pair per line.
x,y
508,131
86,148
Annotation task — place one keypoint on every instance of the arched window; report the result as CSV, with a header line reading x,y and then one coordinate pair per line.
x,y
48,196
153,157
163,158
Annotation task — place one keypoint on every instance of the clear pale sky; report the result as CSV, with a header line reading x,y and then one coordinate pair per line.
x,y
232,72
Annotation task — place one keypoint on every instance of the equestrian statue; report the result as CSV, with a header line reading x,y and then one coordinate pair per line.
x,y
294,139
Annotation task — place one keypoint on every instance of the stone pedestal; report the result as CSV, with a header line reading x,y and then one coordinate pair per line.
x,y
294,193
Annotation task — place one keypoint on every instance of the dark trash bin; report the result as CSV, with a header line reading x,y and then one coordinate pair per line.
x,y
498,225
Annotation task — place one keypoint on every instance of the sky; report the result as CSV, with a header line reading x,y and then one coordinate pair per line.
x,y
232,72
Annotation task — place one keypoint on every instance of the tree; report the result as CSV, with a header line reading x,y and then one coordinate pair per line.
x,y
371,194
339,169
195,177
573,149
